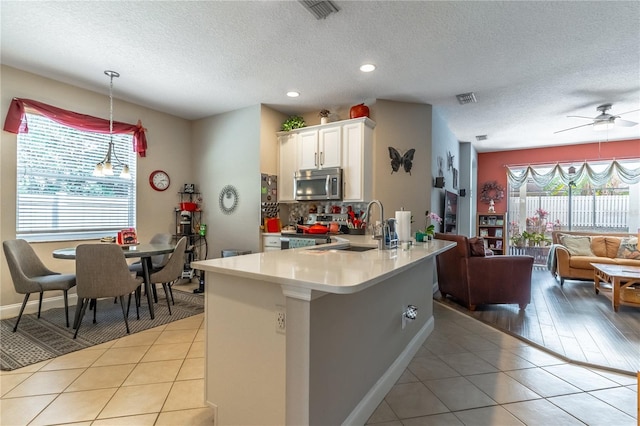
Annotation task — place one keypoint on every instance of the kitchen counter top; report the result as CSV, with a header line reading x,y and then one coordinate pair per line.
x,y
322,269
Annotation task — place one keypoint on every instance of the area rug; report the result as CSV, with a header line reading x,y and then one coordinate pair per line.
x,y
40,339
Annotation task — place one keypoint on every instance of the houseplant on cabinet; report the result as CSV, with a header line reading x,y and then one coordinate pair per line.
x,y
324,116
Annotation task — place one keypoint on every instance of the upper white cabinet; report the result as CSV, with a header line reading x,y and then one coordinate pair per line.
x,y
287,165
357,159
347,144
320,148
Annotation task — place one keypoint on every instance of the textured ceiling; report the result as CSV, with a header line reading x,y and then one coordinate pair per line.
x,y
530,63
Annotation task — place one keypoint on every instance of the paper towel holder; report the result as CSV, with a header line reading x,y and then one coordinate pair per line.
x,y
439,182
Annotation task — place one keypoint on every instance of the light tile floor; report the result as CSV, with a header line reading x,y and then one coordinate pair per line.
x,y
466,373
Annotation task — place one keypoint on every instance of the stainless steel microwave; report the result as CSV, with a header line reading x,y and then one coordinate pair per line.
x,y
325,184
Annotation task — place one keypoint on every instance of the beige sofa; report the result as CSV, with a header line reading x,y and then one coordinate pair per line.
x,y
575,252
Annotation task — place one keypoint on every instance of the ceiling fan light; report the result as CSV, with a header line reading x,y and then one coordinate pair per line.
x,y
603,125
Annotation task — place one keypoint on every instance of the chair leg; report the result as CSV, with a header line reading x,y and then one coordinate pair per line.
x,y
84,304
166,295
155,293
24,303
76,317
66,306
40,304
124,312
171,293
95,310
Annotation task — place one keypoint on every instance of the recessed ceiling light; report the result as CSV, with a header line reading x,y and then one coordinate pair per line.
x,y
293,94
367,67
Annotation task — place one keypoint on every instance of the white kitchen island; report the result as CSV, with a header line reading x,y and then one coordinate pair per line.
x,y
344,345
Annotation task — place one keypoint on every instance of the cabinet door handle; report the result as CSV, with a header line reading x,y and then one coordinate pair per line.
x,y
321,158
315,158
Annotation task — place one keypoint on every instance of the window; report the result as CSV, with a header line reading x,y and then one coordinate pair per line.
x,y
595,199
58,198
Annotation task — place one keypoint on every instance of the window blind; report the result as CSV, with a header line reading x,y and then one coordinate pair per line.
x,y
58,198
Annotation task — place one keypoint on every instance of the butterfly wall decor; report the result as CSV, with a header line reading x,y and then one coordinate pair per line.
x,y
397,160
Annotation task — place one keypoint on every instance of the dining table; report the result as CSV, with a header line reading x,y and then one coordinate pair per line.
x,y
144,251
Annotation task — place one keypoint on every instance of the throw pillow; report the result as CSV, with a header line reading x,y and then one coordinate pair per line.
x,y
598,246
629,249
476,246
577,245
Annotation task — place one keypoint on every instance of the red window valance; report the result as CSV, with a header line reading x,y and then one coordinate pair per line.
x,y
16,122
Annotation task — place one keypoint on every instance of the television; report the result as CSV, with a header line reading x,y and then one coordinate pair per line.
x,y
450,214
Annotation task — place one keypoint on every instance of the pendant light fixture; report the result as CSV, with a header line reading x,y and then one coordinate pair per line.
x,y
105,167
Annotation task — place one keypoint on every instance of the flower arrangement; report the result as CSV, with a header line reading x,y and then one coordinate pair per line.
x,y
431,228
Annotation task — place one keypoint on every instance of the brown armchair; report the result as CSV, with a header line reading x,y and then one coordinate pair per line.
x,y
479,280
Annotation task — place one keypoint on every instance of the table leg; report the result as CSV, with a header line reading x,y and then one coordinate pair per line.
x,y
615,300
596,282
146,268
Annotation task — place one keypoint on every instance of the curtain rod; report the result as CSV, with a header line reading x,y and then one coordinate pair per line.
x,y
571,162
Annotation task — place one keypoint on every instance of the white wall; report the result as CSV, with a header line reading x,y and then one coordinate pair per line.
x,y
226,151
402,125
444,142
168,149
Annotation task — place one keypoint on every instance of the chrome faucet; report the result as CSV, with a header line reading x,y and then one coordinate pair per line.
x,y
384,237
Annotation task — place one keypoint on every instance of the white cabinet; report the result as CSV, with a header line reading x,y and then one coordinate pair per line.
x,y
270,242
347,144
287,166
357,160
320,148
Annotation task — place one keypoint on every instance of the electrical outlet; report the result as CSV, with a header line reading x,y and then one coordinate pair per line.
x,y
281,321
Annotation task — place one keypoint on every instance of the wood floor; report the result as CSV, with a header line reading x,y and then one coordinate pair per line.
x,y
571,321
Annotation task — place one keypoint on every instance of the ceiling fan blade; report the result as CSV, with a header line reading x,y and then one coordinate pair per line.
x,y
571,128
625,123
634,110
579,116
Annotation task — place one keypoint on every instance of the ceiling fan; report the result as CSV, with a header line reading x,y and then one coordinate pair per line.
x,y
604,121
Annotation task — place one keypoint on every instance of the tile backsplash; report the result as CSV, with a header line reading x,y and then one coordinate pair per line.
x,y
290,213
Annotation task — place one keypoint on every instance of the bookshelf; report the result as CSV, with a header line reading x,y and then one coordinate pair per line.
x,y
492,227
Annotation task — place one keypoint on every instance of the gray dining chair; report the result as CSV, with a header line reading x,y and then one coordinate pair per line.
x,y
158,261
172,271
29,275
102,271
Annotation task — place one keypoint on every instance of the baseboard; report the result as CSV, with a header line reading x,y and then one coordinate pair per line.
x,y
11,311
376,394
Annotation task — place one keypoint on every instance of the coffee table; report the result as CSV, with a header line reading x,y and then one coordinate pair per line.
x,y
621,278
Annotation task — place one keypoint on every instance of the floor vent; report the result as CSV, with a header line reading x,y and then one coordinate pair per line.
x,y
319,9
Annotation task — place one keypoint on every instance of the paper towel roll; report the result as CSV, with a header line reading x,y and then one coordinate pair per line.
x,y
403,225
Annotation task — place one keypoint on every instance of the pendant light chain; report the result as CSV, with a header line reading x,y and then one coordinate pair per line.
x,y
105,167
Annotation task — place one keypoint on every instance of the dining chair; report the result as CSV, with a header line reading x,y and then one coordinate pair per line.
x,y
157,261
29,275
172,271
102,271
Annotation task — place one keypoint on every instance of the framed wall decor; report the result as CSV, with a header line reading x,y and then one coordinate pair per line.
x,y
455,178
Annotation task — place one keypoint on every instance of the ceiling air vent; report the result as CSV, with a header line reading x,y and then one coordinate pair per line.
x,y
319,9
481,138
467,98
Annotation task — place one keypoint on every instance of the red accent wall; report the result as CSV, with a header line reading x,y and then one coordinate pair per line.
x,y
491,165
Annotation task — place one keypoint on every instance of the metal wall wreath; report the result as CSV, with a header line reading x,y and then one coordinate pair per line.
x,y
491,191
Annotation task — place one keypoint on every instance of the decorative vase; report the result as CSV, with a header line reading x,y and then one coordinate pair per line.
x,y
420,236
360,110
324,120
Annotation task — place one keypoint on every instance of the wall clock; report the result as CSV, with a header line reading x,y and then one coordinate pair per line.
x,y
159,180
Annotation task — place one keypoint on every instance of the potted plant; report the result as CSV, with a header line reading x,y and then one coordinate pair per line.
x,y
293,122
528,237
516,239
324,116
430,229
